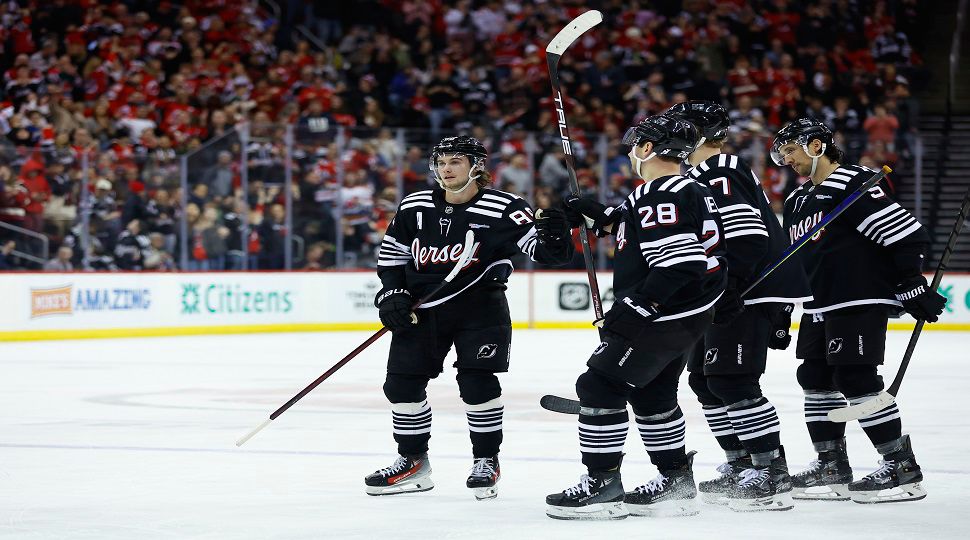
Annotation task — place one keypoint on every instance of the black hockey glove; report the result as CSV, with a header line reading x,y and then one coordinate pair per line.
x,y
627,318
394,306
918,300
601,215
729,305
552,225
780,317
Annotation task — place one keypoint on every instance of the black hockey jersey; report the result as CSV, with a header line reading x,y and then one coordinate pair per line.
x,y
669,247
865,252
753,237
426,237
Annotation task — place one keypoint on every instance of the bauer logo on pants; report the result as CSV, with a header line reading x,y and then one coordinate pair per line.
x,y
487,351
835,345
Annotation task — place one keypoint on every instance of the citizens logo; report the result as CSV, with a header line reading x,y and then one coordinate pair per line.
x,y
220,298
66,300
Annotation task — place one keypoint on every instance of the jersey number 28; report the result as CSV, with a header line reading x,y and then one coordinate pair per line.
x,y
665,214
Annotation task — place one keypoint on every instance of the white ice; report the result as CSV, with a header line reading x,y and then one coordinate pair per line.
x,y
134,439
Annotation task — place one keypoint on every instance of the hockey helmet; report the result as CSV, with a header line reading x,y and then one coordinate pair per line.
x,y
464,145
800,132
671,136
710,118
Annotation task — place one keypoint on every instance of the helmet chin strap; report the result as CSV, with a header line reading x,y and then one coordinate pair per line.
x,y
471,178
639,161
821,152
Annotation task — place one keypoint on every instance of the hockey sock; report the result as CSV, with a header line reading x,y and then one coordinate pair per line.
x,y
755,423
601,437
720,424
412,427
884,428
663,436
485,427
825,434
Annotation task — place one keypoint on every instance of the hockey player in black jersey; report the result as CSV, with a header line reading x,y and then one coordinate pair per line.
x,y
421,245
667,278
863,268
725,375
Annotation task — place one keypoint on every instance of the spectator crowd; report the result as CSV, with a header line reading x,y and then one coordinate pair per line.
x,y
335,105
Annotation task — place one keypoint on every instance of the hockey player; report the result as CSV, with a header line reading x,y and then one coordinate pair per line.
x,y
667,279
726,376
863,268
421,245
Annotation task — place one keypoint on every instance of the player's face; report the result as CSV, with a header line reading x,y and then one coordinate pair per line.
x,y
796,158
453,170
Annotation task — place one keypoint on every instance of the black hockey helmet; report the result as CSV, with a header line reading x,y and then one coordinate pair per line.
x,y
671,136
801,132
710,118
465,145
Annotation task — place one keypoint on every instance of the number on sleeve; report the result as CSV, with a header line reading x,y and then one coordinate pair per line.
x,y
520,217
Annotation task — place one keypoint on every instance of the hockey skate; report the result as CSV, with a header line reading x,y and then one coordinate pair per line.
x,y
897,479
763,488
826,479
672,493
406,475
599,495
717,490
483,477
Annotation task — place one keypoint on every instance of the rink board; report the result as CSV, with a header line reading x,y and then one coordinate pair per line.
x,y
87,305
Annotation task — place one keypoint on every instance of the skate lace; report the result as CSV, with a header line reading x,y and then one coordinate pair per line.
x,y
483,468
397,467
581,487
726,469
813,467
885,467
654,486
752,476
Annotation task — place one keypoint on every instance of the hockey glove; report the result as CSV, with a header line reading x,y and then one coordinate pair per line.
x,y
729,305
585,209
918,300
394,306
551,225
627,318
780,317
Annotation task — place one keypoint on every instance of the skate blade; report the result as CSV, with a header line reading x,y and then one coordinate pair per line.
x,y
672,508
778,502
410,486
485,493
714,498
831,492
599,511
903,493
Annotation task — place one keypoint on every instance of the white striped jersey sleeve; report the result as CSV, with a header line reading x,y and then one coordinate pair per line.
x,y
392,252
888,225
672,250
742,220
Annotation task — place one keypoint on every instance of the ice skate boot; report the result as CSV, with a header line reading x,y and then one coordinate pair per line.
x,y
826,479
763,488
897,479
716,491
406,475
672,493
599,495
483,477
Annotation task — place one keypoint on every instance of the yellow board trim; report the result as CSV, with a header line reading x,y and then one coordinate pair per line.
x,y
171,331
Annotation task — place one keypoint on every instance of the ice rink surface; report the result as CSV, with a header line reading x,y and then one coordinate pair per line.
x,y
134,439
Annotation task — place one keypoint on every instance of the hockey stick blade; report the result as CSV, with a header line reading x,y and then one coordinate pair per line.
x,y
861,410
467,251
559,404
573,30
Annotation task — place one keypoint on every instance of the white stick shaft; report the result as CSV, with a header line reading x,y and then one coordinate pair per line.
x,y
861,410
249,435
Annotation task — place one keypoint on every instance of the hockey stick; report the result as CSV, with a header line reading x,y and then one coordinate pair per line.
x,y
886,398
466,253
557,46
571,406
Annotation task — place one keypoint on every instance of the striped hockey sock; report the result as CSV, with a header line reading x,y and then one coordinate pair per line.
x,y
412,427
485,427
663,436
825,435
720,424
755,422
601,438
882,427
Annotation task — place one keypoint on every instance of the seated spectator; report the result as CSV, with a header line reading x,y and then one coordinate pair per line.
x,y
319,256
62,261
881,126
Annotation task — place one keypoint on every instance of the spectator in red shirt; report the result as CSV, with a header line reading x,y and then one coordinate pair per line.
x,y
39,191
881,127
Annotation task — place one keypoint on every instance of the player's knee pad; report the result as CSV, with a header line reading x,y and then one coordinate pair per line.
x,y
734,388
597,390
815,375
698,383
477,386
401,388
857,380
